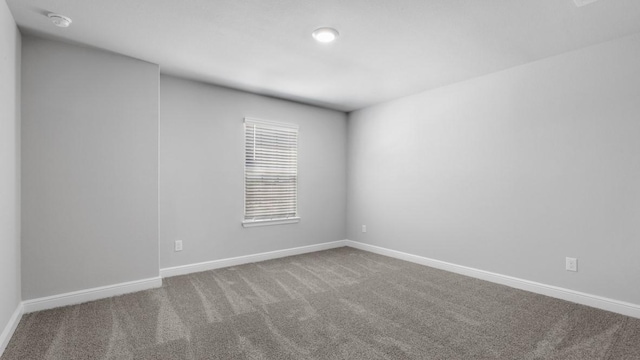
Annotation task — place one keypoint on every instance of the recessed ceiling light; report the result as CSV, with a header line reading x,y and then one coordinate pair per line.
x,y
59,20
325,34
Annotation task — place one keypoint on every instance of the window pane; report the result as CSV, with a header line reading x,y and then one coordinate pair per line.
x,y
271,170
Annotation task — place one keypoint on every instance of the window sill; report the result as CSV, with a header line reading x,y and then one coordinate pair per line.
x,y
254,223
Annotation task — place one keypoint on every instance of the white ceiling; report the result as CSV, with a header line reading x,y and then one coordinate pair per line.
x,y
387,48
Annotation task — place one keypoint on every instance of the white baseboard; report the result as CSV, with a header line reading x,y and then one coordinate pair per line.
x,y
595,301
222,263
8,331
82,296
102,292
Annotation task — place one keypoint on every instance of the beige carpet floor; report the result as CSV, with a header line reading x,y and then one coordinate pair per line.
x,y
335,304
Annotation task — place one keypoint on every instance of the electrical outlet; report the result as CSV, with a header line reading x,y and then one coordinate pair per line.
x,y
571,264
178,245
364,228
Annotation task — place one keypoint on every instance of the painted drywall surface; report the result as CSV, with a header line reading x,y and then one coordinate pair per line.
x,y
9,166
89,168
202,173
511,172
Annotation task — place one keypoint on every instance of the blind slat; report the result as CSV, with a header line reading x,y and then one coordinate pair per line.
x,y
271,170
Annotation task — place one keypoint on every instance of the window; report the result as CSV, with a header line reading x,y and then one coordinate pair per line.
x,y
270,173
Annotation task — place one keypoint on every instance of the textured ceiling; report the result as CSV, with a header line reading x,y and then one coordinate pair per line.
x,y
387,48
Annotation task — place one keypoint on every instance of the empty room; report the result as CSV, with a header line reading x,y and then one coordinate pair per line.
x,y
296,179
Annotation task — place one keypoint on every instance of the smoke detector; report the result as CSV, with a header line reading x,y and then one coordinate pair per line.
x,y
59,20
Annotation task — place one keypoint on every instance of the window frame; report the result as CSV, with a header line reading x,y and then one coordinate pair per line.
x,y
277,220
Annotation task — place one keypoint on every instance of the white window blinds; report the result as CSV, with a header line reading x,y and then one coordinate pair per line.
x,y
270,172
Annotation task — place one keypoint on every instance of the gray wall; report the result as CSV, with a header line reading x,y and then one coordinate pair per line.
x,y
511,172
202,169
9,166
89,168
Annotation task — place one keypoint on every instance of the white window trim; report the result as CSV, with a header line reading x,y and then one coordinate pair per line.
x,y
276,221
253,120
267,222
